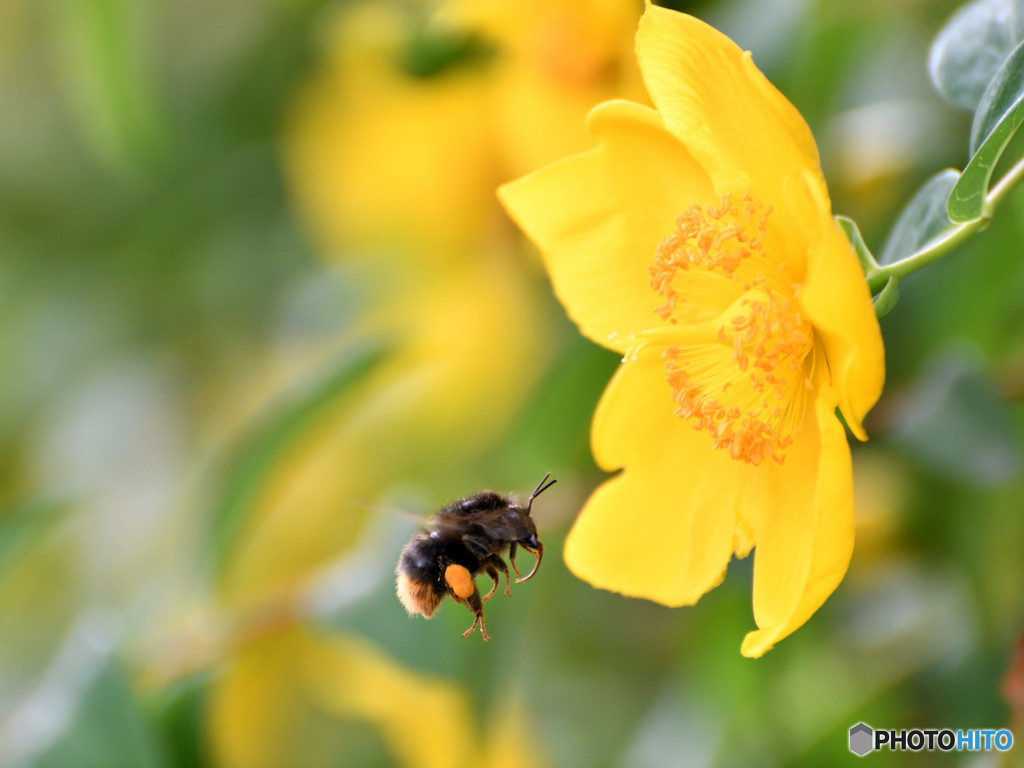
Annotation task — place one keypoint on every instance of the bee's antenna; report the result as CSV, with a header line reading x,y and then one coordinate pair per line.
x,y
541,487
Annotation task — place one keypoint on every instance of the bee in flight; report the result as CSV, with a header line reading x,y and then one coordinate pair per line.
x,y
463,539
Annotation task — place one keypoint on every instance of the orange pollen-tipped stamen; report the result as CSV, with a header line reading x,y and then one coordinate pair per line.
x,y
716,239
750,406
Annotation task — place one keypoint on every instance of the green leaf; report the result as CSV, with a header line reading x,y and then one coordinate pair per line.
x,y
852,232
24,524
265,441
969,50
177,712
1001,98
887,298
923,219
104,722
954,421
999,115
106,62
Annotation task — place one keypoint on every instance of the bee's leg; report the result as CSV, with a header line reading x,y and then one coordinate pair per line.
x,y
476,606
479,547
539,552
512,559
491,571
495,565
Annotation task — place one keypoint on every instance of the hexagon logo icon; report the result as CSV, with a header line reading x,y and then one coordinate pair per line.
x,y
862,739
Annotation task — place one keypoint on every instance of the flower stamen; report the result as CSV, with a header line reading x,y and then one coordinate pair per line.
x,y
716,239
748,399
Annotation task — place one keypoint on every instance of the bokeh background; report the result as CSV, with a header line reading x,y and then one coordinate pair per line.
x,y
260,311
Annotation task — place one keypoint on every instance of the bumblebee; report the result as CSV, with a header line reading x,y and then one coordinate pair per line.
x,y
462,540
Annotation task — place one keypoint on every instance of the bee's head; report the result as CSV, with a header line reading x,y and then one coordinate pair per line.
x,y
531,539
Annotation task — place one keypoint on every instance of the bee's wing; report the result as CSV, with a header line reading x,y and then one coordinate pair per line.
x,y
488,509
400,513
496,523
440,520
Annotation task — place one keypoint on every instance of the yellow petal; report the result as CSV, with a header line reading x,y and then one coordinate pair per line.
x,y
664,528
838,304
804,531
511,736
266,706
559,58
538,121
559,35
427,722
710,95
598,217
255,705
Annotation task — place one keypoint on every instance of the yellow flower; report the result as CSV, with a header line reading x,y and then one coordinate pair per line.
x,y
557,59
697,239
379,158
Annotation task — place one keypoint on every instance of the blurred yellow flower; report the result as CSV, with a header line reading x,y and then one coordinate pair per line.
x,y
557,58
697,239
278,700
379,156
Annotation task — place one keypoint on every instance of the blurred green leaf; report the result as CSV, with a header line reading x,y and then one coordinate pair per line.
x,y
270,435
953,420
432,51
999,115
178,711
969,50
106,727
23,524
923,219
552,429
107,73
852,232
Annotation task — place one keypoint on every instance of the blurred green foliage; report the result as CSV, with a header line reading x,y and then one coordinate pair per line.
x,y
159,299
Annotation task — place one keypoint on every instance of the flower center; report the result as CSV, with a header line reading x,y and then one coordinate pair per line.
x,y
747,388
715,240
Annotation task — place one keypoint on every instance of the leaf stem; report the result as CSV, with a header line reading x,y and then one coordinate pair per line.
x,y
951,238
1003,188
931,251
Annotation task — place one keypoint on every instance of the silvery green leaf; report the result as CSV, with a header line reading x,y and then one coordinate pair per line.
x,y
954,421
923,219
1000,113
969,50
1003,95
852,232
